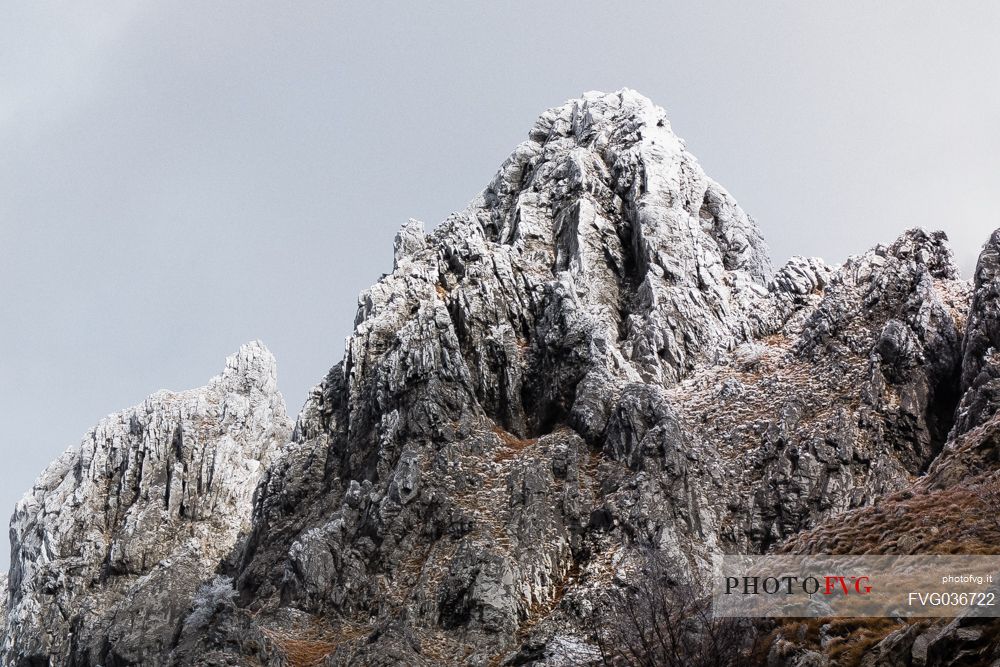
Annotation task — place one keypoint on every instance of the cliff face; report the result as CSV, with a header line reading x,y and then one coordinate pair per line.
x,y
593,361
951,509
980,367
110,544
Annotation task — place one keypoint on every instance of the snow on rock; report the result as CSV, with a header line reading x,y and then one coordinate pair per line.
x,y
592,361
116,533
595,356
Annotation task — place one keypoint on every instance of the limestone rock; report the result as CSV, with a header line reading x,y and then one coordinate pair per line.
x,y
109,545
595,356
592,362
980,364
4,595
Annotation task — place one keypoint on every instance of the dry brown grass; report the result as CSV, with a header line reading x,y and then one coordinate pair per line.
x,y
957,520
969,458
443,648
512,445
771,376
852,638
309,647
539,611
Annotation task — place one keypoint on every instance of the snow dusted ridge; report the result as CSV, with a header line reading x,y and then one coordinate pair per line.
x,y
117,533
594,361
538,391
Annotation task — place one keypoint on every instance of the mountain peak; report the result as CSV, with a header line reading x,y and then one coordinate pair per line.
x,y
591,363
252,366
618,152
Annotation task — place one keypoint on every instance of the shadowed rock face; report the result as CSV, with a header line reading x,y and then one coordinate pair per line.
x,y
111,542
973,448
980,367
459,439
594,358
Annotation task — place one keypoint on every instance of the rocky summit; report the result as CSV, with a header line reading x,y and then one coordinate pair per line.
x,y
584,385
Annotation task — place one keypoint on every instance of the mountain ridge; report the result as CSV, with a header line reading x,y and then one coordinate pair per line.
x,y
593,361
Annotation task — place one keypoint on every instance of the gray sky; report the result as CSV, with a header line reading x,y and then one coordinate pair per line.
x,y
179,177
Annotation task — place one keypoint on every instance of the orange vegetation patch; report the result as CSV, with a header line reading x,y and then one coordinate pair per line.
x,y
957,520
310,648
848,639
512,444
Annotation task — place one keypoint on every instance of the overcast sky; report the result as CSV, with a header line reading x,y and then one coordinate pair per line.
x,y
177,178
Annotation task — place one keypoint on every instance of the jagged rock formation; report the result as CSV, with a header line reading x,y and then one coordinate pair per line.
x,y
110,544
4,591
972,449
593,360
952,509
980,367
460,437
